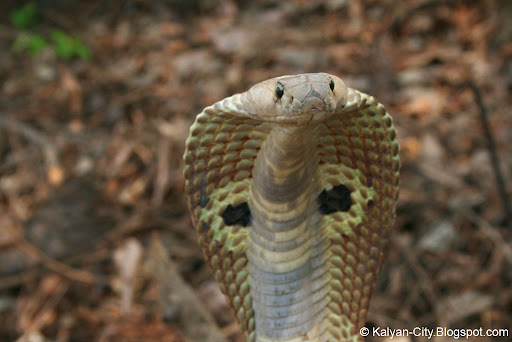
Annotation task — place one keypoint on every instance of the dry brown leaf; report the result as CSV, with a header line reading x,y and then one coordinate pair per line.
x,y
71,90
127,259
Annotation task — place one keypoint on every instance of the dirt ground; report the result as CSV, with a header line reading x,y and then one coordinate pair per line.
x,y
96,242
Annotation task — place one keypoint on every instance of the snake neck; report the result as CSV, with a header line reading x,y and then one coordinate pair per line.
x,y
286,251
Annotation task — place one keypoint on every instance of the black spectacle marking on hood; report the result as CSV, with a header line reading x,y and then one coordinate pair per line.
x,y
241,214
336,199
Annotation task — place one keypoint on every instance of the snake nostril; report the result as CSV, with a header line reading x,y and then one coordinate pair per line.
x,y
241,214
337,199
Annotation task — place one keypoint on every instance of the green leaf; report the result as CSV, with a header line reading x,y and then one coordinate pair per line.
x,y
25,17
63,44
35,44
82,50
67,47
32,43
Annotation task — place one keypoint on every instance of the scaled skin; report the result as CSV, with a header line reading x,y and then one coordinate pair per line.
x,y
289,271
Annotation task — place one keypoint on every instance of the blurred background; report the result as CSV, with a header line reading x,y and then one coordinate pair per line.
x,y
96,98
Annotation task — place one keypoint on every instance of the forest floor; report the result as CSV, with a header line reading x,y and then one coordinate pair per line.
x,y
96,242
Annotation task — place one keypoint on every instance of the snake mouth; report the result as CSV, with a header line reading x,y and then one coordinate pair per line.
x,y
312,110
312,116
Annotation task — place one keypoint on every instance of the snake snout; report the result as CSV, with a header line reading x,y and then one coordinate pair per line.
x,y
314,101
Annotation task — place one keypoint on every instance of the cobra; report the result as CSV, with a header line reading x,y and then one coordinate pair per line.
x,y
292,187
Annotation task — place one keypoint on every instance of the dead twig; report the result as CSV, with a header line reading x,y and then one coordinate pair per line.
x,y
40,313
161,181
425,284
176,293
50,151
30,274
52,264
37,138
492,234
25,277
500,181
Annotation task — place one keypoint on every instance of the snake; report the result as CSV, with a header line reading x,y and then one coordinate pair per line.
x,y
292,188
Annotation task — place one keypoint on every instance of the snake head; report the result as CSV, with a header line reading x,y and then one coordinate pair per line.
x,y
297,99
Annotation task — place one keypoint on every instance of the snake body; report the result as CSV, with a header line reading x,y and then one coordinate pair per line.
x,y
292,186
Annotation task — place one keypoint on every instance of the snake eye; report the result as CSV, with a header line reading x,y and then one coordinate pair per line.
x,y
331,85
279,90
